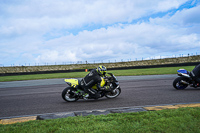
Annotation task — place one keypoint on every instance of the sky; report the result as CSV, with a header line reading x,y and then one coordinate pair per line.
x,y
44,32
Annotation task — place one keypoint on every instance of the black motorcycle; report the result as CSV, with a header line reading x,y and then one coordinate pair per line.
x,y
75,91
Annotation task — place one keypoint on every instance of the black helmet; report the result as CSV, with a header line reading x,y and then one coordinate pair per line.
x,y
101,70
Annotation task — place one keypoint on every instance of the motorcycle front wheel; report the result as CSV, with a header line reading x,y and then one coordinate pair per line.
x,y
68,95
178,84
114,93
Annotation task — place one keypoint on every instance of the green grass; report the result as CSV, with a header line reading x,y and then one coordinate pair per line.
x,y
150,71
182,120
128,72
42,76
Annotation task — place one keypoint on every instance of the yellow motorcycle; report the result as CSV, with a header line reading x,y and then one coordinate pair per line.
x,y
75,91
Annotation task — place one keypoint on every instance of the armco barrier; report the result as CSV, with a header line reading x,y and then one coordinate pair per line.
x,y
118,68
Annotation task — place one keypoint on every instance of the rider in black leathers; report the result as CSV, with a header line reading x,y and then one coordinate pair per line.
x,y
94,77
195,74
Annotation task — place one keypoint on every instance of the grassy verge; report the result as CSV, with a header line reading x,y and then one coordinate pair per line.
x,y
128,72
166,121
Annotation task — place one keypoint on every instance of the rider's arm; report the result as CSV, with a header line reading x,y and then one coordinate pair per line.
x,y
99,86
102,88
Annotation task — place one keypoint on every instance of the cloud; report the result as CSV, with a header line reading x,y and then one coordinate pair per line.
x,y
166,5
187,16
181,17
42,16
119,41
69,31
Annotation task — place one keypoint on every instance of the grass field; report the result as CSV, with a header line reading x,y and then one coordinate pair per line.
x,y
182,120
128,72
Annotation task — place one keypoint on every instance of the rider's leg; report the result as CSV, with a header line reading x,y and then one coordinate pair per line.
x,y
93,93
198,81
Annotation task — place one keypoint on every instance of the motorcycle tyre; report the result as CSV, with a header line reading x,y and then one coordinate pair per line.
x,y
110,96
67,98
177,81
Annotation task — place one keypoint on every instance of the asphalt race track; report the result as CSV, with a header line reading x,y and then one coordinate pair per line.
x,y
19,98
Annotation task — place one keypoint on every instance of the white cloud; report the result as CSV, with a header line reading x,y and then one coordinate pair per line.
x,y
70,31
42,16
183,17
169,4
187,16
56,56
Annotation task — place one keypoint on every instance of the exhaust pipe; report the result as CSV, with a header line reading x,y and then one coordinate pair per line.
x,y
184,82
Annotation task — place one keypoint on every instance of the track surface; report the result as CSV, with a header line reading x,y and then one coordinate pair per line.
x,y
44,96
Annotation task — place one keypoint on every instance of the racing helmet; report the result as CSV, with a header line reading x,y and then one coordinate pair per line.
x,y
101,70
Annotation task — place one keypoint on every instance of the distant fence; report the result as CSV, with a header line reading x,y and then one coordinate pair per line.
x,y
119,68
101,61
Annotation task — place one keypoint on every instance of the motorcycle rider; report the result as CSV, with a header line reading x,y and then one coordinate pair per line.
x,y
94,77
195,74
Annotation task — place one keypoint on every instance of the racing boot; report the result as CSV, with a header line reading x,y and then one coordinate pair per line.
x,y
194,84
197,85
85,96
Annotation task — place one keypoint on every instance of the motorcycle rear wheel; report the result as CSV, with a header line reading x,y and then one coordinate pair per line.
x,y
113,94
68,95
178,85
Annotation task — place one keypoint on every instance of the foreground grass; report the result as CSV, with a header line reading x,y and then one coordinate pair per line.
x,y
180,120
128,72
